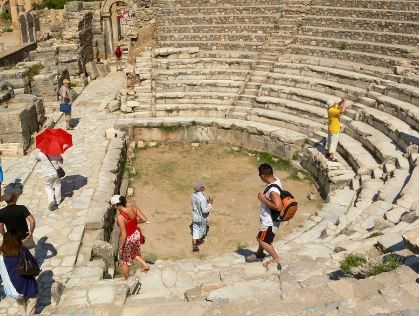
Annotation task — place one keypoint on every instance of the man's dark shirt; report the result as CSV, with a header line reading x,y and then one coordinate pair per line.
x,y
14,218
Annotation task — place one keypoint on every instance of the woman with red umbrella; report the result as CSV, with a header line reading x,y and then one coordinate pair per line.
x,y
51,144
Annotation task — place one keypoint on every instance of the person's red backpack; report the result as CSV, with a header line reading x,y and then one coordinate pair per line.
x,y
289,205
118,52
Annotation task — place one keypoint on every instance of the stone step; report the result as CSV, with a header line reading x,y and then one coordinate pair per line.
x,y
360,35
379,144
385,61
212,44
356,155
383,14
213,37
397,130
373,47
386,5
355,22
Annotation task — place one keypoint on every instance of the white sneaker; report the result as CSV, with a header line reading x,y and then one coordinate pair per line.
x,y
3,204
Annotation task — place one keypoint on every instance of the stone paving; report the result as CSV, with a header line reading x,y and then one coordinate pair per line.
x,y
59,233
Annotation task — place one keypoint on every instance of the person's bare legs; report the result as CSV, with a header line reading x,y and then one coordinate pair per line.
x,y
269,249
145,265
125,270
258,254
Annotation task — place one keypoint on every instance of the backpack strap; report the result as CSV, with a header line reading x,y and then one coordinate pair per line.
x,y
272,185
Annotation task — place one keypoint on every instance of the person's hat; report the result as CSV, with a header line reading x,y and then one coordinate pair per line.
x,y
66,81
115,199
198,186
331,102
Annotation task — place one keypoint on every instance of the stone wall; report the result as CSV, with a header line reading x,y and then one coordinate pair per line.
x,y
15,55
20,119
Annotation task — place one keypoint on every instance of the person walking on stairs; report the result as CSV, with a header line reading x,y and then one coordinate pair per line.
x,y
49,166
335,109
66,96
270,198
118,55
201,207
15,218
131,236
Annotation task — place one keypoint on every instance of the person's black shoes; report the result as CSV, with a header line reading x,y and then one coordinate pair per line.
x,y
53,206
195,248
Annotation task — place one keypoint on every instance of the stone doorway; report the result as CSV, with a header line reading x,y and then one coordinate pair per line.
x,y
113,26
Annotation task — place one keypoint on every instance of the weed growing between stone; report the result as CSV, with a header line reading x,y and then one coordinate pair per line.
x,y
352,261
366,268
375,234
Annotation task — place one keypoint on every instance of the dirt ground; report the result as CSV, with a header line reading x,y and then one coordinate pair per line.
x,y
163,186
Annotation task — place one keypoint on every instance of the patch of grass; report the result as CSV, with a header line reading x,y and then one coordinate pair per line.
x,y
390,262
10,66
169,111
352,261
34,70
5,17
375,234
170,129
7,29
343,46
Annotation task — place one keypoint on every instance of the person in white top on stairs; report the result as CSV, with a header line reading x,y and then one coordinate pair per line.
x,y
49,166
270,198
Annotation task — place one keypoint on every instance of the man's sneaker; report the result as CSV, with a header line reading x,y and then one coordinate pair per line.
x,y
52,206
195,248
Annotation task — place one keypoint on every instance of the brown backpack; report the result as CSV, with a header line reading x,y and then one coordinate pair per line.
x,y
289,205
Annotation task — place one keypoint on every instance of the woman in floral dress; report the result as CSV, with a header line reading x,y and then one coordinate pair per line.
x,y
130,236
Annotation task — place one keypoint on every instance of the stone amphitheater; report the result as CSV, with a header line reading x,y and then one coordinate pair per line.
x,y
258,74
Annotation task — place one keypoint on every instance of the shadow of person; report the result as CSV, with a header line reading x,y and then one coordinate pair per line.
x,y
72,183
15,187
75,121
44,250
246,253
48,290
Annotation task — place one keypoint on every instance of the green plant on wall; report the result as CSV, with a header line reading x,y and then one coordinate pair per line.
x,y
33,71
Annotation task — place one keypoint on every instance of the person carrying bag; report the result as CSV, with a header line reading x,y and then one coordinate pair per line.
x,y
18,269
66,99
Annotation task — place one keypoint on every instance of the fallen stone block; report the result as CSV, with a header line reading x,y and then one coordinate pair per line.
x,y
390,242
411,239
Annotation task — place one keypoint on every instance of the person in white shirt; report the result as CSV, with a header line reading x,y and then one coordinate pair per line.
x,y
49,166
201,206
270,207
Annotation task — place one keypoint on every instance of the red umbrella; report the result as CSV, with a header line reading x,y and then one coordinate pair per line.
x,y
54,141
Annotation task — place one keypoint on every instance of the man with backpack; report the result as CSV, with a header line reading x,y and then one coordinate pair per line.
x,y
118,55
270,207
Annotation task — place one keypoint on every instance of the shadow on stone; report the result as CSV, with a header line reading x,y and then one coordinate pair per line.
x,y
72,183
75,121
45,295
44,250
245,253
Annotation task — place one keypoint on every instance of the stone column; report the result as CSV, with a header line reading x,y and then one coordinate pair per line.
x,y
15,21
115,23
107,28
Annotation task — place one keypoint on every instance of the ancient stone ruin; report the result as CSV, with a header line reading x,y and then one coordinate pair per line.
x,y
251,73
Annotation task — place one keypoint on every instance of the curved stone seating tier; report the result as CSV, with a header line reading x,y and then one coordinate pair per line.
x,y
329,175
218,28
347,55
349,35
377,142
275,139
397,130
214,19
382,14
198,85
363,24
216,2
377,48
402,91
372,4
200,74
229,10
251,45
246,37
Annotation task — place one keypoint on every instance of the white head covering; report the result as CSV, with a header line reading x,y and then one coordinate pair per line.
x,y
115,199
198,186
